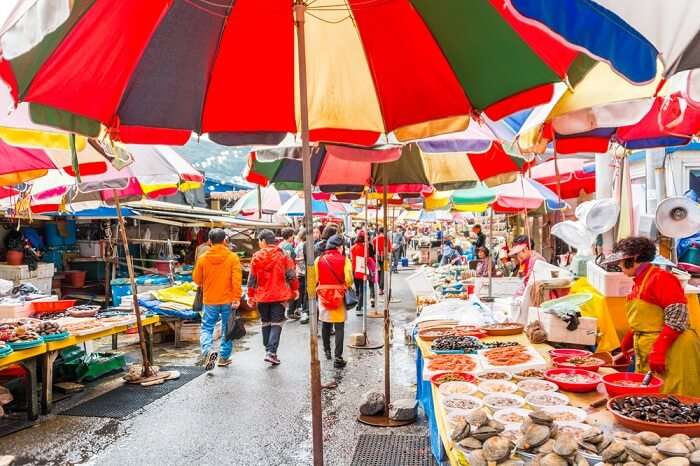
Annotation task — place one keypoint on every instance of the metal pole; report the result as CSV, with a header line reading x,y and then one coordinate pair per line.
x,y
146,372
365,288
490,258
315,365
387,321
259,202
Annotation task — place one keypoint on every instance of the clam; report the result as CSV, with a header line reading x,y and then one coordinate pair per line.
x,y
632,463
485,432
695,458
613,452
589,447
605,443
621,434
640,453
675,461
649,438
497,449
579,460
478,417
536,435
496,425
696,443
593,435
673,447
477,458
565,445
546,447
461,430
552,459
658,457
681,437
541,417
470,443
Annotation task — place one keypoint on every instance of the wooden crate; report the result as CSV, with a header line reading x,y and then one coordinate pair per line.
x,y
190,332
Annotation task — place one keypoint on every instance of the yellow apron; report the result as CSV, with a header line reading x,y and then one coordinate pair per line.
x,y
682,375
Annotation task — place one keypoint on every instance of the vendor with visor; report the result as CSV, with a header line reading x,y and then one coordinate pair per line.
x,y
657,313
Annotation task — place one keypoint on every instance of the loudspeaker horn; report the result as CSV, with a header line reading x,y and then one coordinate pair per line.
x,y
678,217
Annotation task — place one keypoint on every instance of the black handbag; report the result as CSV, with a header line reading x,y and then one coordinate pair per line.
x,y
198,304
349,297
235,330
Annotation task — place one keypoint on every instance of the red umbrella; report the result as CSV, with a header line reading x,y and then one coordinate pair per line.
x,y
573,176
18,164
154,71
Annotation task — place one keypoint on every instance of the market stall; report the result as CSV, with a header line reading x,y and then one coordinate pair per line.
x,y
509,392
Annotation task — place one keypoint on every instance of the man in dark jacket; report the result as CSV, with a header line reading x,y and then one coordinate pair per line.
x,y
272,284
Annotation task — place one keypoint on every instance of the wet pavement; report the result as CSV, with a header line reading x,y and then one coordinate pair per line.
x,y
246,414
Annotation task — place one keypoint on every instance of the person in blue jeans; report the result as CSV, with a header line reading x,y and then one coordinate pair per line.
x,y
218,272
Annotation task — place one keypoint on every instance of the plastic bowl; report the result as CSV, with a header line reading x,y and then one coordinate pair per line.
x,y
665,430
496,401
501,414
579,413
537,385
572,386
462,376
554,353
620,365
562,361
532,399
612,386
497,386
450,403
456,388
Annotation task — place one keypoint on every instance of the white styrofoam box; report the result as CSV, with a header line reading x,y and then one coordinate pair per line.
x,y
585,334
609,284
509,306
91,248
42,284
536,362
14,311
22,272
502,286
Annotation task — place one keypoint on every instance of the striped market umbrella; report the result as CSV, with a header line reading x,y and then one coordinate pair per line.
x,y
525,194
156,171
159,70
631,35
406,169
604,108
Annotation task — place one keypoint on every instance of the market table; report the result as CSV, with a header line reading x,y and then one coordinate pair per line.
x,y
28,358
429,397
52,349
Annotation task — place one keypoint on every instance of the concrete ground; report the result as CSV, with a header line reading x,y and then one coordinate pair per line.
x,y
246,414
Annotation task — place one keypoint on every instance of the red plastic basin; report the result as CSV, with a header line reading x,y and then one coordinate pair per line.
x,y
554,353
561,361
614,389
52,307
574,387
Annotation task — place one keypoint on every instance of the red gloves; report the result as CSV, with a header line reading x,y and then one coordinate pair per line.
x,y
627,342
657,356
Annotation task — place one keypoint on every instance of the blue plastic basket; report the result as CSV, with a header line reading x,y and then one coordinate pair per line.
x,y
27,344
56,336
6,351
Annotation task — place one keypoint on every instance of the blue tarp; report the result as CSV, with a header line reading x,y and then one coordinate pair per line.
x,y
106,212
153,305
424,395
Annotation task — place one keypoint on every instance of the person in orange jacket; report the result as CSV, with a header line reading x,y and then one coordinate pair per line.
x,y
272,284
218,272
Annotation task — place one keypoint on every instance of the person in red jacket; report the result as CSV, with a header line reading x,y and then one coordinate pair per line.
x,y
360,269
379,247
272,283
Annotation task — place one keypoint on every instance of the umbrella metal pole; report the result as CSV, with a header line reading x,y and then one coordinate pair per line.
x,y
387,299
259,202
490,257
314,365
146,372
